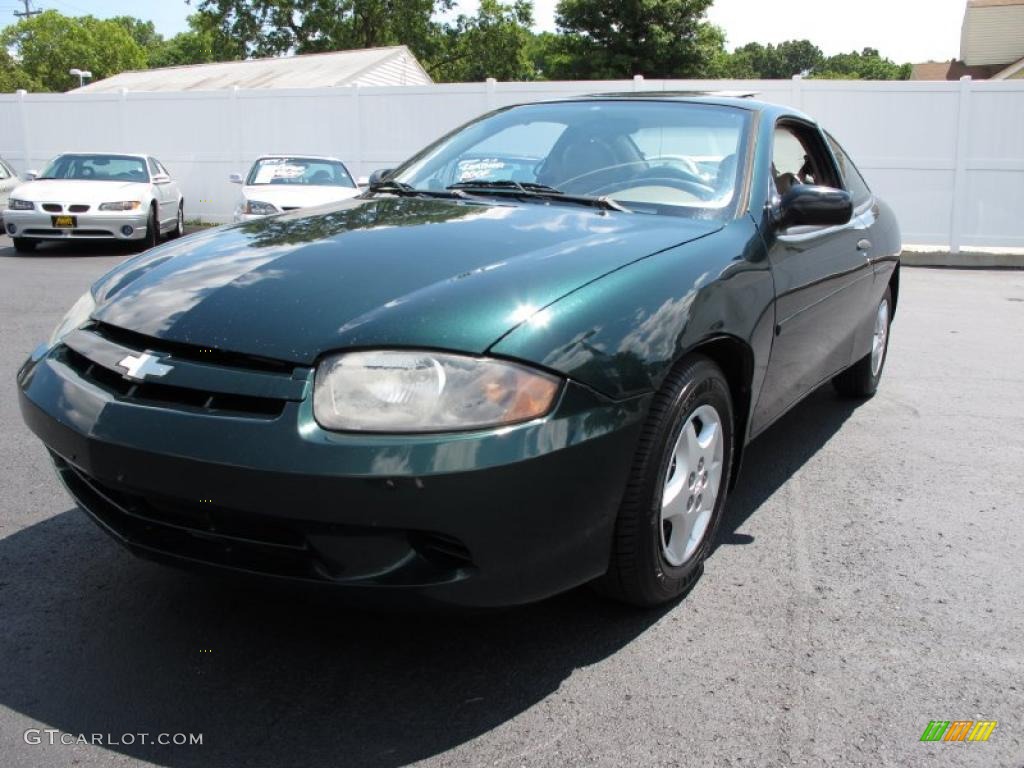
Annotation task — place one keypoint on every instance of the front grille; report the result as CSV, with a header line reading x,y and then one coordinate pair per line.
x,y
139,341
273,546
53,207
78,208
164,395
84,233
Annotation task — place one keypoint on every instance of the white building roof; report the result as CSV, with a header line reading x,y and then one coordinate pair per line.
x,y
369,66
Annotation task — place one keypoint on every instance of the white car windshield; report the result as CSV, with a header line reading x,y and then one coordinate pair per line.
x,y
649,156
299,171
97,168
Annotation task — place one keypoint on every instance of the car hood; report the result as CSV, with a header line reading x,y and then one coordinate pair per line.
x,y
284,196
60,190
377,272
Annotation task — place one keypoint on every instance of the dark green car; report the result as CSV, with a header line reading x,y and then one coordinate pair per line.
x,y
528,359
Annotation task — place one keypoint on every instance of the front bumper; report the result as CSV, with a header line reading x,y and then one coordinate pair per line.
x,y
94,225
498,517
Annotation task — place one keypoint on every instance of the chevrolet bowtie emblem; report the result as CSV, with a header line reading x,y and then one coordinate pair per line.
x,y
141,366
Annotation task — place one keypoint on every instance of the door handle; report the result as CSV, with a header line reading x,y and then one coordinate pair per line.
x,y
864,245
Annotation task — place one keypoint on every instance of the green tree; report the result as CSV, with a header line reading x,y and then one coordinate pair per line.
x,y
274,27
774,62
654,38
493,43
142,32
869,64
50,44
202,43
13,77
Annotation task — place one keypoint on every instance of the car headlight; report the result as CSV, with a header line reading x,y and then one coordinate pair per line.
x,y
256,208
20,205
421,391
77,316
124,205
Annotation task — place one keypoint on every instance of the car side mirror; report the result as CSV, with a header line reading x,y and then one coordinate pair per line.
x,y
161,178
30,175
813,206
378,176
235,178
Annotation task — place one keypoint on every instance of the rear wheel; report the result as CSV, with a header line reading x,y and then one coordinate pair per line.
x,y
677,490
862,378
24,245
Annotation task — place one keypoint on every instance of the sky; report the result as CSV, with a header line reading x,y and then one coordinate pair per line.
x,y
903,30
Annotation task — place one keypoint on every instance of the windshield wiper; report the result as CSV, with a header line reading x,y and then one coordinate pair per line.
x,y
408,190
531,189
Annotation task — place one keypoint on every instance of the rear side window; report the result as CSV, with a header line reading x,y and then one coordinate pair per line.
x,y
855,184
3,172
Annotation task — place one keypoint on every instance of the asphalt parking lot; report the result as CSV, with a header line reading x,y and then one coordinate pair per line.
x,y
868,579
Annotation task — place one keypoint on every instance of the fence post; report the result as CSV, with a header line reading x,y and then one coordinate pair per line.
x,y
357,134
122,116
963,127
798,92
638,83
491,94
26,145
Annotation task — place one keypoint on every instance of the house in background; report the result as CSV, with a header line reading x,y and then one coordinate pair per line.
x,y
368,66
991,44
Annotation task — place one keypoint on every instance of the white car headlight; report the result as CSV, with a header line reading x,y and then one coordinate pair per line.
x,y
256,208
77,316
20,205
124,205
422,391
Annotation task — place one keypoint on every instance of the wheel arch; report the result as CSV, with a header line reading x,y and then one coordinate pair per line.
x,y
735,357
894,289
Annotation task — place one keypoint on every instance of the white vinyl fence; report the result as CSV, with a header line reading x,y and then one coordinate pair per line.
x,y
948,156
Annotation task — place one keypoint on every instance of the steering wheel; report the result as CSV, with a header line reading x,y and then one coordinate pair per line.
x,y
698,189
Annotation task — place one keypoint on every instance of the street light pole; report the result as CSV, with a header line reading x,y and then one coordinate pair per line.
x,y
28,13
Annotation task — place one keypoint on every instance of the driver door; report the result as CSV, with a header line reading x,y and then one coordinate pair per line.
x,y
822,275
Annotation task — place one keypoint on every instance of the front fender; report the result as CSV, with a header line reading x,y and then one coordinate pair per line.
x,y
621,334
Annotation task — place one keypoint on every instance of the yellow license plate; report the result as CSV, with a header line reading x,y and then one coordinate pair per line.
x,y
64,222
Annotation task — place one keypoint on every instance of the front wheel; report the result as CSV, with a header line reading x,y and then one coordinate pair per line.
x,y
179,226
152,238
24,245
677,489
862,378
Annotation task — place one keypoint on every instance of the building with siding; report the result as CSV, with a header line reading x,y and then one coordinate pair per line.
x,y
369,66
991,44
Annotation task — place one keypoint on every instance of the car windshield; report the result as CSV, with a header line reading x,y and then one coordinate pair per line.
x,y
650,157
299,171
97,168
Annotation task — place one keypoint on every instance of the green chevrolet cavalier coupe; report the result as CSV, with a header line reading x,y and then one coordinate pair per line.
x,y
527,359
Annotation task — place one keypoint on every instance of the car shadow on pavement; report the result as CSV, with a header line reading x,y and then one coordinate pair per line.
x,y
778,453
83,248
96,642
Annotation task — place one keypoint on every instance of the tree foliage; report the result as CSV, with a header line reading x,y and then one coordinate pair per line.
x,y
610,39
596,39
50,44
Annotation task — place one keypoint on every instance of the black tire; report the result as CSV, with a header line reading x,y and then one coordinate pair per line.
x,y
639,572
24,245
179,226
152,238
860,380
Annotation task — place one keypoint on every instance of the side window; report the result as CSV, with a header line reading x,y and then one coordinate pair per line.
x,y
799,157
153,169
858,188
3,172
164,171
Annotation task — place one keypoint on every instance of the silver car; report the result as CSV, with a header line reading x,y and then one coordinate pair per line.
x,y
96,196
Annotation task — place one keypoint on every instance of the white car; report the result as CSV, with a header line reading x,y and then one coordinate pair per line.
x,y
93,196
8,181
278,183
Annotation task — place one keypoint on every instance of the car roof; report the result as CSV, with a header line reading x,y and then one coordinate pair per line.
x,y
297,156
737,99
